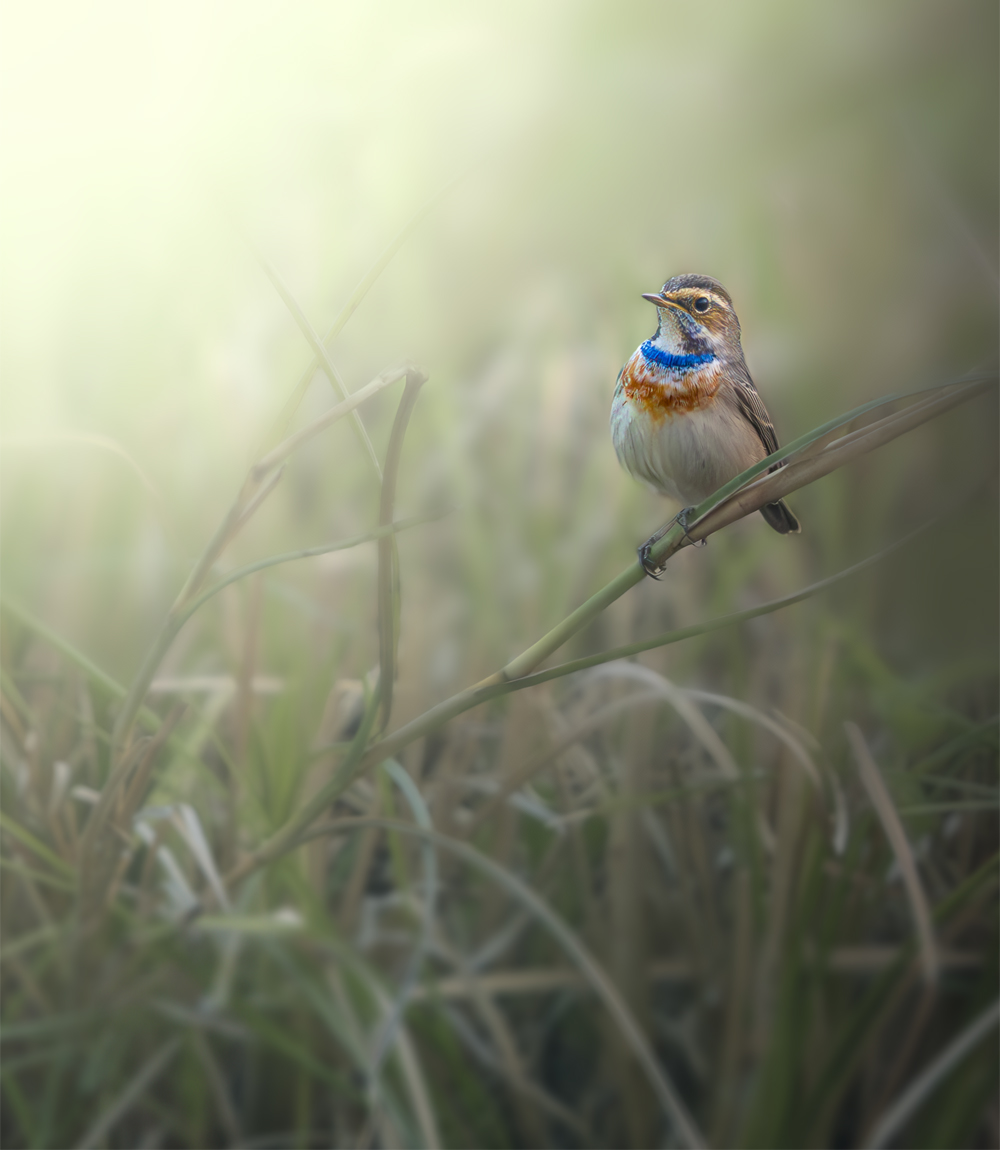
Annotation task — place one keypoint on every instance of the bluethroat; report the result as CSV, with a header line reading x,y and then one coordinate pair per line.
x,y
686,417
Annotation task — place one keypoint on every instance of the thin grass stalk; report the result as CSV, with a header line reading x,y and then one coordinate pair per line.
x,y
38,848
15,710
388,559
773,958
322,357
309,553
284,449
280,425
169,630
752,714
412,1071
29,986
251,508
133,1091
917,1018
525,1098
100,853
394,1017
243,702
131,798
90,668
228,1116
882,802
917,1093
625,861
733,1039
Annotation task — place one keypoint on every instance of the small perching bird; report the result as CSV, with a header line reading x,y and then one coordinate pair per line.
x,y
686,417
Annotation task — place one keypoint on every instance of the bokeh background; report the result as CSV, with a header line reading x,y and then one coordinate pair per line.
x,y
835,166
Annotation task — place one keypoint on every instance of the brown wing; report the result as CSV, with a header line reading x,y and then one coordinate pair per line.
x,y
752,407
778,515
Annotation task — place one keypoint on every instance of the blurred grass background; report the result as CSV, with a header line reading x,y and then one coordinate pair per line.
x,y
836,167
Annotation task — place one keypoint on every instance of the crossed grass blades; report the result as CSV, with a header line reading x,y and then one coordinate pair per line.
x,y
206,975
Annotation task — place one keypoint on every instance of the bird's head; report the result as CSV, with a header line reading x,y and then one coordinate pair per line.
x,y
696,316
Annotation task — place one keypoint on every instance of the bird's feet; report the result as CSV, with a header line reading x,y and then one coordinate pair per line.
x,y
654,570
651,569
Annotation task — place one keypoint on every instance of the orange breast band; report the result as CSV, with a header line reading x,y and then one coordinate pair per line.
x,y
659,393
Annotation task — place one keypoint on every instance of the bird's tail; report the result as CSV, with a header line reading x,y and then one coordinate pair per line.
x,y
780,518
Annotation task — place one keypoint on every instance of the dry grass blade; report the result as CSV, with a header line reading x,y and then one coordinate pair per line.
x,y
882,802
678,698
917,1093
136,791
113,811
799,753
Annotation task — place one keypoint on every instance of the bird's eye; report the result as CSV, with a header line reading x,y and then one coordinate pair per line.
x,y
702,303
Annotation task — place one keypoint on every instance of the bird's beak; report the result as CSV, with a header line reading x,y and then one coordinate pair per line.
x,y
659,300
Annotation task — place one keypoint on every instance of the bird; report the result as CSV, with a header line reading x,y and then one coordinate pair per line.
x,y
686,417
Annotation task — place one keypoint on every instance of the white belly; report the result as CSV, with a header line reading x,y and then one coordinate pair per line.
x,y
686,456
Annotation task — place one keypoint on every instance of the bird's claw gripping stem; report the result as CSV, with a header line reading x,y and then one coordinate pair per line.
x,y
648,565
645,551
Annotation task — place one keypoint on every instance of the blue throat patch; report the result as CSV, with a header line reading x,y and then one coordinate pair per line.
x,y
666,359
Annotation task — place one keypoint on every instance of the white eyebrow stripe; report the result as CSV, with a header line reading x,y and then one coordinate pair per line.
x,y
697,293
